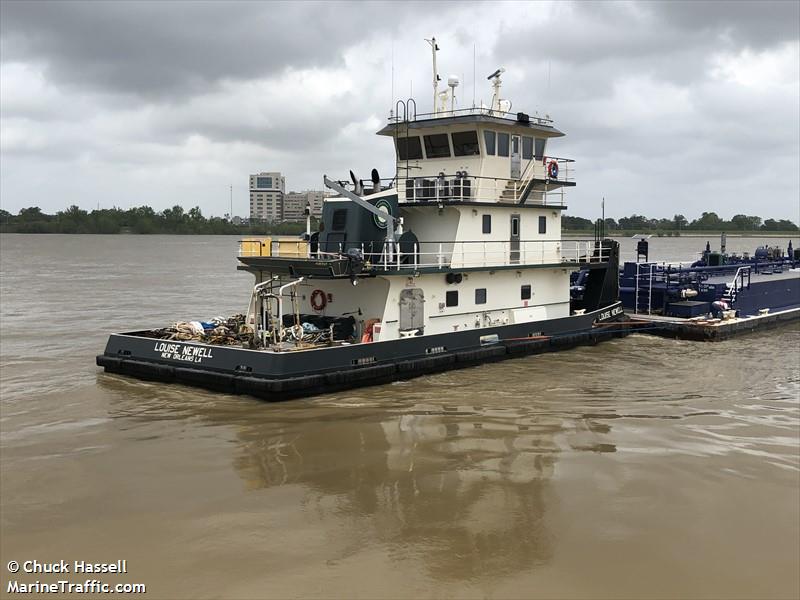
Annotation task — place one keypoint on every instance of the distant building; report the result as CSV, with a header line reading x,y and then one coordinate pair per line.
x,y
270,202
266,196
294,204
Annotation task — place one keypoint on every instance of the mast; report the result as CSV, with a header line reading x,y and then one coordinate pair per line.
x,y
434,48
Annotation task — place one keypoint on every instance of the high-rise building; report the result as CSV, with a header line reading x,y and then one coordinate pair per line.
x,y
266,196
294,204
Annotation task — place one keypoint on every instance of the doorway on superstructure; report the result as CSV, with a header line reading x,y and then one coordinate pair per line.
x,y
412,311
516,158
514,239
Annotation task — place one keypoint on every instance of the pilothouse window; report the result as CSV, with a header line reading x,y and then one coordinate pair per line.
x,y
409,148
465,143
539,148
502,144
490,141
437,145
527,148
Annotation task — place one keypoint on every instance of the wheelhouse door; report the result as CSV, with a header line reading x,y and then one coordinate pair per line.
x,y
412,310
514,243
516,160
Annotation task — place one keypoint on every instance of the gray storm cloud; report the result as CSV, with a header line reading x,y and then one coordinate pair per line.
x,y
672,107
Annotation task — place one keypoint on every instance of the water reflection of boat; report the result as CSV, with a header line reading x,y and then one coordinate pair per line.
x,y
466,491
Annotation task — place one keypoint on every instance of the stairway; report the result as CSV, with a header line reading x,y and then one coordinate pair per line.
x,y
729,295
509,195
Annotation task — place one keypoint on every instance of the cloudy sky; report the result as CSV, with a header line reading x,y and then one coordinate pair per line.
x,y
673,107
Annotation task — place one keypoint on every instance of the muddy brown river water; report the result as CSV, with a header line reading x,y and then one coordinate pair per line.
x,y
639,468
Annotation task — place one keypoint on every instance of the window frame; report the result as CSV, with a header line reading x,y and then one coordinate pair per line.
x,y
503,149
405,140
480,296
336,216
487,135
527,147
538,152
525,289
486,225
451,298
428,147
542,224
476,145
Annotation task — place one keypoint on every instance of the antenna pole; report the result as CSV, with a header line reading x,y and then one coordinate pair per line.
x,y
603,214
231,203
473,74
434,48
392,74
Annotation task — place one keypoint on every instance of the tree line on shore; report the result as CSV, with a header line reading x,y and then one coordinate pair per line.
x,y
143,219
140,219
708,221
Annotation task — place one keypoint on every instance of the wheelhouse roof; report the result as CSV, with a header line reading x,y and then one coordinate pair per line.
x,y
397,127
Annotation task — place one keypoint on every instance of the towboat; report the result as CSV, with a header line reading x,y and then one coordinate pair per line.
x,y
455,261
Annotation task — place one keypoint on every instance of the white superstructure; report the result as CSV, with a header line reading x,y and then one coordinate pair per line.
x,y
475,235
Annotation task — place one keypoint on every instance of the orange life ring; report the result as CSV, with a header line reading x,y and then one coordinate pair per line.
x,y
552,169
318,300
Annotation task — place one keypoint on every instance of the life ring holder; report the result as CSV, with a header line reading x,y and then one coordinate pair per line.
x,y
318,300
552,169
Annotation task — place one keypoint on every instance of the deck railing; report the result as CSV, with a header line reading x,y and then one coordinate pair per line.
x,y
461,186
384,256
475,110
470,188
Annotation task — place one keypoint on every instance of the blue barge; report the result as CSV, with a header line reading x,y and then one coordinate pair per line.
x,y
716,297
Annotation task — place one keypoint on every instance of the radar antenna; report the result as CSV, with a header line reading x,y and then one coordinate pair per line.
x,y
496,83
452,83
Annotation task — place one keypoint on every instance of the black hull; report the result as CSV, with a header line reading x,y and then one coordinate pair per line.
x,y
281,376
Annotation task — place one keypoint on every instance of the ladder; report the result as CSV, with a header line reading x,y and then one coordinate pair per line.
x,y
732,289
643,291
